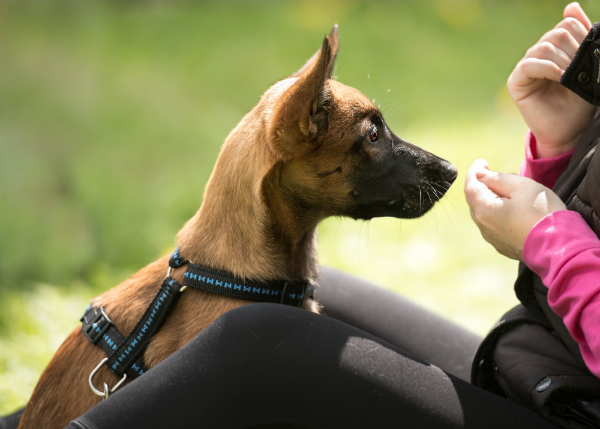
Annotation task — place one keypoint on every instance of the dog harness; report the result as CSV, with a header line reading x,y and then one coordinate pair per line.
x,y
125,354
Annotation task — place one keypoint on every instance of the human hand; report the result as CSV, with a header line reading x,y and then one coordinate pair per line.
x,y
556,115
505,207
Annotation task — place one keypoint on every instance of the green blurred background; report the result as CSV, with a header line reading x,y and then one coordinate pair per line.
x,y
112,114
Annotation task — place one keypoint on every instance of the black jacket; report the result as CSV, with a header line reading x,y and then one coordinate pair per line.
x,y
529,356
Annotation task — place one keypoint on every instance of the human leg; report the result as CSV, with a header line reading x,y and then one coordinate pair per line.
x,y
12,420
267,364
398,321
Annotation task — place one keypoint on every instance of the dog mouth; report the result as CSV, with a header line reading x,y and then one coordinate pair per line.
x,y
412,203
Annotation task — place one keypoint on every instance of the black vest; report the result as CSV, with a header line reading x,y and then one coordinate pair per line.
x,y
529,356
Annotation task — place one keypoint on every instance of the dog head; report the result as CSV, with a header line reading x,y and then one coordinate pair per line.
x,y
310,149
337,156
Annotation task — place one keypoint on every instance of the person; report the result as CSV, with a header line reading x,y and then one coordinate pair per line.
x,y
545,353
378,360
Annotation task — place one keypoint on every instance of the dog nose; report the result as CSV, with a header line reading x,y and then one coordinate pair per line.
x,y
449,172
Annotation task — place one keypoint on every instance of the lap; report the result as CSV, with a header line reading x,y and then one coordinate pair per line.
x,y
398,321
267,364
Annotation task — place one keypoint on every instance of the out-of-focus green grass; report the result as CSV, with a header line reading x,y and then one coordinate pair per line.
x,y
112,115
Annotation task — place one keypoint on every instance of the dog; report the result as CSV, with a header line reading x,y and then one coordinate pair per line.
x,y
311,148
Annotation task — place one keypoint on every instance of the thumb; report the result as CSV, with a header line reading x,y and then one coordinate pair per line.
x,y
500,183
476,192
574,10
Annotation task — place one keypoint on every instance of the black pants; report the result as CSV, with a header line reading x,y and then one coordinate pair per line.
x,y
388,363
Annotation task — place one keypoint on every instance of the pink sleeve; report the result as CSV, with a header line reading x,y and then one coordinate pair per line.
x,y
542,170
563,250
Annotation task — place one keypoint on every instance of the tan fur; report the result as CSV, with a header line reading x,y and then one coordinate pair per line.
x,y
274,180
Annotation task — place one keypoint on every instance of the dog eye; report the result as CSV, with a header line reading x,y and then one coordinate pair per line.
x,y
373,135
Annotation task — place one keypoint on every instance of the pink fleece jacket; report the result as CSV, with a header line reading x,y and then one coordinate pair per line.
x,y
564,251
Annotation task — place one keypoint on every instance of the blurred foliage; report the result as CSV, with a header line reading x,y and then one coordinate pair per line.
x,y
112,114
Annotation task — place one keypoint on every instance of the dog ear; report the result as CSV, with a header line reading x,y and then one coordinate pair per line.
x,y
293,123
333,38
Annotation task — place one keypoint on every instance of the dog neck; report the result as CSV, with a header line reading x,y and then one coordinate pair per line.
x,y
247,225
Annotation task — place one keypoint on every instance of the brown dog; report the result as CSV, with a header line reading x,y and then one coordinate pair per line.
x,y
311,148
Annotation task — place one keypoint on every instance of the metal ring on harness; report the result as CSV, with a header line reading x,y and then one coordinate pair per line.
x,y
106,389
169,274
105,315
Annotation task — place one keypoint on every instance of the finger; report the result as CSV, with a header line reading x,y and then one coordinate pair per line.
x,y
478,195
574,27
563,39
532,69
501,184
574,10
478,164
548,51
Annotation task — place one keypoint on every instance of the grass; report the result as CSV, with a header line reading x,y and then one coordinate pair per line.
x,y
112,115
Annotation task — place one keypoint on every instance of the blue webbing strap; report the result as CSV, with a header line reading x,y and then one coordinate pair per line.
x,y
99,329
125,354
132,347
224,283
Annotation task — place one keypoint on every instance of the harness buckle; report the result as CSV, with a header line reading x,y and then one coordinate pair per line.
x,y
107,390
309,292
95,323
285,285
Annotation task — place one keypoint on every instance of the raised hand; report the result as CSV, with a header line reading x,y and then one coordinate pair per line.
x,y
556,115
505,207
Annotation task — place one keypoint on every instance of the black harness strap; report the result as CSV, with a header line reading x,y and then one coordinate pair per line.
x,y
125,355
100,330
223,283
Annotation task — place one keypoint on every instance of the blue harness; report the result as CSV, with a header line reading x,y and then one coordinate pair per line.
x,y
125,355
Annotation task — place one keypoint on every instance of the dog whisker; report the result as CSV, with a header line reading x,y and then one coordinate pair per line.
x,y
428,196
436,194
432,203
368,240
444,185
